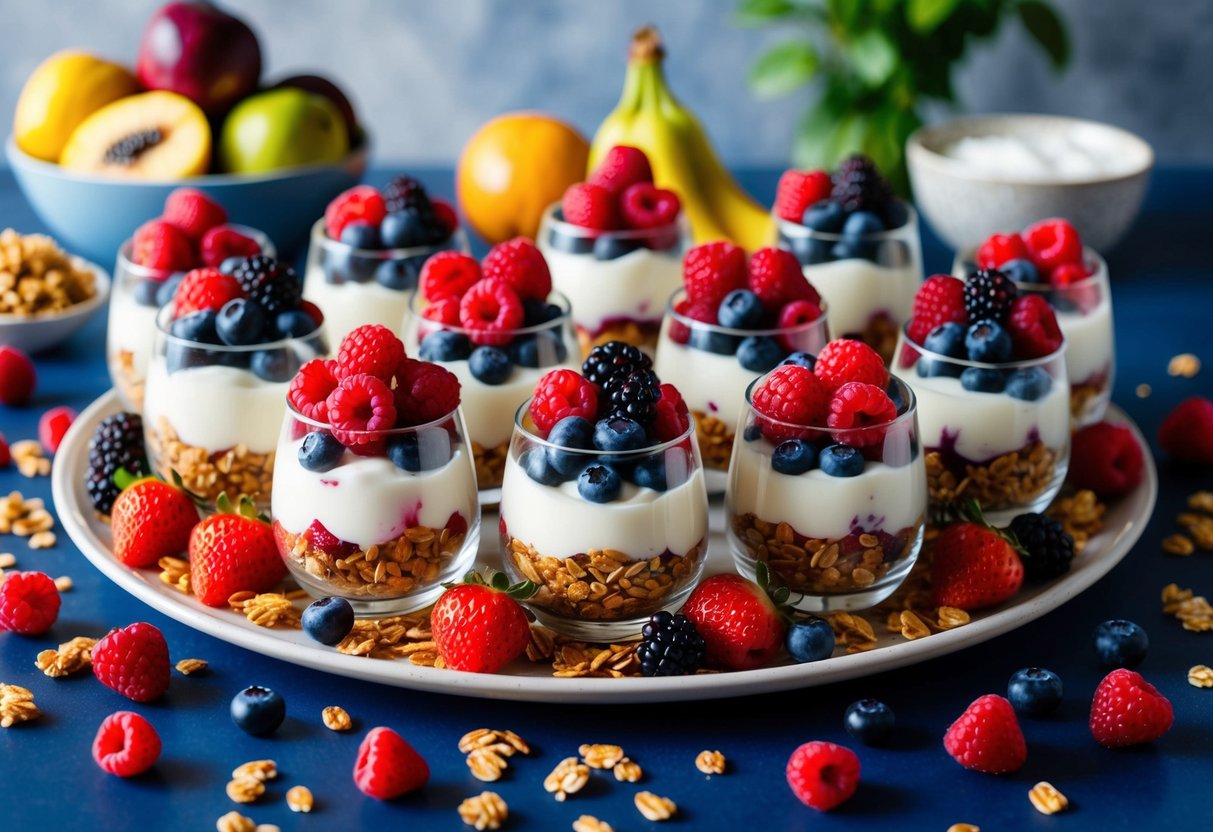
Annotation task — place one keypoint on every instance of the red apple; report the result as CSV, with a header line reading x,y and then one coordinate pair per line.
x,y
199,51
322,86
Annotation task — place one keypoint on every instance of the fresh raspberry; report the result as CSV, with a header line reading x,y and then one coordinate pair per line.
x,y
491,310
621,167
193,212
1187,432
590,206
222,242
18,378
448,274
776,277
999,248
311,386
1128,710
859,405
562,393
360,403
644,205
673,417
846,360
425,391
52,425
1106,459
679,332
793,316
373,349
29,603
1051,243
6,456
445,213
133,661
797,190
162,246
520,264
126,744
939,300
445,311
360,203
205,289
986,737
794,395
1067,274
711,271
822,775
1033,327
387,766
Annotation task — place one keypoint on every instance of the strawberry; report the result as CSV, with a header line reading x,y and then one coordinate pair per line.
x,y
739,620
797,190
133,661
231,552
150,520
939,300
622,166
822,775
387,766
480,627
1128,710
987,737
975,564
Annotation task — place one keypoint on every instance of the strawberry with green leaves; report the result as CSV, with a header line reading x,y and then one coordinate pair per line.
x,y
150,519
742,622
233,551
480,627
975,565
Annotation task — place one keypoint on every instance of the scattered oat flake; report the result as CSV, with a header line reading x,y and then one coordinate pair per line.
x,y
336,718
299,799
1143,391
1200,676
569,777
964,827
16,705
71,657
710,762
1185,365
7,560
628,770
600,756
1201,501
1193,611
484,811
655,807
487,764
1047,799
191,667
43,540
589,823
63,583
245,789
257,769
267,827
235,822
1178,544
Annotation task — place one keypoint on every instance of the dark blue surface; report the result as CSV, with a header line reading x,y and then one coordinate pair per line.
x,y
1164,299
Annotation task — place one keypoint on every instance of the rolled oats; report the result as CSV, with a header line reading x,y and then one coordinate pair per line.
x,y
710,762
191,667
71,657
912,627
1178,544
1013,479
541,645
1046,799
44,540
1193,611
589,823
484,811
245,789
964,827
7,560
1143,391
257,770
1200,676
1185,365
1081,515
569,777
654,807
299,799
175,572
235,822
600,756
396,637
490,464
575,659
487,764
37,277
628,770
949,618
63,583
715,440
267,609
237,471
335,718
16,705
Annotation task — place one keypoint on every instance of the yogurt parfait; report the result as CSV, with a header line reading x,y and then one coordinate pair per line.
x,y
857,243
604,505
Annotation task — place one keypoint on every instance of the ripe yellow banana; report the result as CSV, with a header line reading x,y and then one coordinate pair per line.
x,y
649,117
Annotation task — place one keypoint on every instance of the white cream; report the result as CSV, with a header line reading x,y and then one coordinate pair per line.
x,y
216,407
634,287
488,409
855,290
131,328
709,383
1071,155
1089,341
348,306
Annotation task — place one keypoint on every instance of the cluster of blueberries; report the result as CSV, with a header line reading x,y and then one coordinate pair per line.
x,y
494,364
847,236
369,253
242,323
427,449
989,343
741,309
610,245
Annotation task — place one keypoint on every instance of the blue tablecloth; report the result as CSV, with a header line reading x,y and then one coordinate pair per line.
x,y
1164,299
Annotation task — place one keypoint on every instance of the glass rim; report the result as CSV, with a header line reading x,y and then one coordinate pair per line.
x,y
1099,276
561,300
161,330
320,237
521,428
550,219
293,413
127,266
691,323
1022,364
801,230
906,391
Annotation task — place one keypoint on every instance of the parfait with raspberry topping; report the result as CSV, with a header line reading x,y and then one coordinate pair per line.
x,y
375,491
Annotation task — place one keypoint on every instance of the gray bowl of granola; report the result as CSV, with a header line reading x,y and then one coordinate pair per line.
x,y
45,293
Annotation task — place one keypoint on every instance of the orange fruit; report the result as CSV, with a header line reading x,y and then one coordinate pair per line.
x,y
513,168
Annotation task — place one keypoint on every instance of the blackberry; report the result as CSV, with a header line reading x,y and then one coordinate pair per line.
x,y
117,443
272,285
988,295
671,647
406,192
1048,547
636,398
608,365
858,186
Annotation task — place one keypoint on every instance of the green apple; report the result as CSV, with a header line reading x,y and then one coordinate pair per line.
x,y
282,128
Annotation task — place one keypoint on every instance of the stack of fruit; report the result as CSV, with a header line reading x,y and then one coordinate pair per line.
x,y
1049,252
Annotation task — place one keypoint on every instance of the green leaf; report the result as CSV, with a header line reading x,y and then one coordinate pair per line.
x,y
924,15
757,12
783,68
124,479
874,57
1047,29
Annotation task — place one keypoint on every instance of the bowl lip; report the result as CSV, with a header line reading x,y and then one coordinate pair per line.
x,y
918,149
18,158
102,283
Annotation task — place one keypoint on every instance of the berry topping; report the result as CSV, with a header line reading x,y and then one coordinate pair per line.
x,y
258,710
1052,243
204,290
491,310
791,394
29,603
673,417
387,766
841,461
490,365
608,365
869,720
1048,549
1067,274
1121,643
797,190
823,775
857,405
151,520
988,295
858,186
999,249
117,443
794,456
776,277
740,624
133,661
939,300
590,206
987,737
796,314
1186,434
126,744
562,393
405,193
622,166
845,360
671,646
1033,327
711,271
360,203
162,246
520,264
271,284
193,212
599,483
328,620
311,386
636,397
222,242
425,392
52,425
1034,691
1106,459
975,565
445,311
17,377
644,205
810,641
988,342
360,403
372,349
1128,710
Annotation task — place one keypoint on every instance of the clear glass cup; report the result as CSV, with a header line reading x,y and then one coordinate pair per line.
x,y
385,520
490,399
1084,314
868,281
617,281
997,433
704,361
138,293
213,412
365,286
837,542
603,567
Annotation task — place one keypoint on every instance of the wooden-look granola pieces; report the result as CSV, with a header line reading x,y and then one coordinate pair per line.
x,y
257,770
715,440
490,464
710,762
16,705
1046,799
1193,611
484,811
71,657
39,278
335,718
245,789
569,777
655,807
235,822
600,756
628,770
210,472
192,667
1200,676
589,823
1013,479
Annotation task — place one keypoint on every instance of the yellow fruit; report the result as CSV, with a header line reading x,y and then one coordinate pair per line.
x,y
513,168
64,90
155,135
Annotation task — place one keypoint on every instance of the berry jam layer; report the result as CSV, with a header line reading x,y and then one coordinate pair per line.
x,y
237,470
1012,479
490,464
715,440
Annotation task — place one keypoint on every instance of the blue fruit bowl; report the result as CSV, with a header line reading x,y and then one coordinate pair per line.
x,y
94,215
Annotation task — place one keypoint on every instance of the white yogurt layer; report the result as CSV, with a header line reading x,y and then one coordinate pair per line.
x,y
368,500
855,290
641,522
1089,341
709,383
488,409
633,287
131,328
216,407
1045,156
348,306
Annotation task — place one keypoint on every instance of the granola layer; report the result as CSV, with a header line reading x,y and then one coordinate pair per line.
x,y
715,440
490,464
642,334
237,471
1085,394
1015,478
129,383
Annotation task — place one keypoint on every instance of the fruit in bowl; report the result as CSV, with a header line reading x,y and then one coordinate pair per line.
x,y
282,128
153,135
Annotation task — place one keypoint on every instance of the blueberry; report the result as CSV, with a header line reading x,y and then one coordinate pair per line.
x,y
570,243
862,224
1034,691
894,391
543,349
752,433
740,309
707,339
275,365
802,359
403,229
360,235
196,326
397,275
841,461
618,433
1120,643
258,711
650,473
1029,384
240,322
534,311
851,250
946,339
490,365
826,216
404,452
794,457
988,342
599,483
535,463
982,379
896,214
320,451
870,721
936,368
146,292
759,353
230,264
570,432
1021,271
445,345
611,247
808,250
294,323
328,620
168,288
810,641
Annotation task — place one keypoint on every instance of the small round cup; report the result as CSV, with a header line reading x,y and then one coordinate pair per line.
x,y
843,540
868,280
491,398
616,281
365,286
996,433
213,412
138,293
712,365
603,568
388,517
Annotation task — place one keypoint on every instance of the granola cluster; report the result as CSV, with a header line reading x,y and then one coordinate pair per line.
x,y
37,277
490,464
630,332
208,473
715,440
1013,479
27,518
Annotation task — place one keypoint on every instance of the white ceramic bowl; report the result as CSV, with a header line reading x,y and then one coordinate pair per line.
x,y
32,333
965,204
